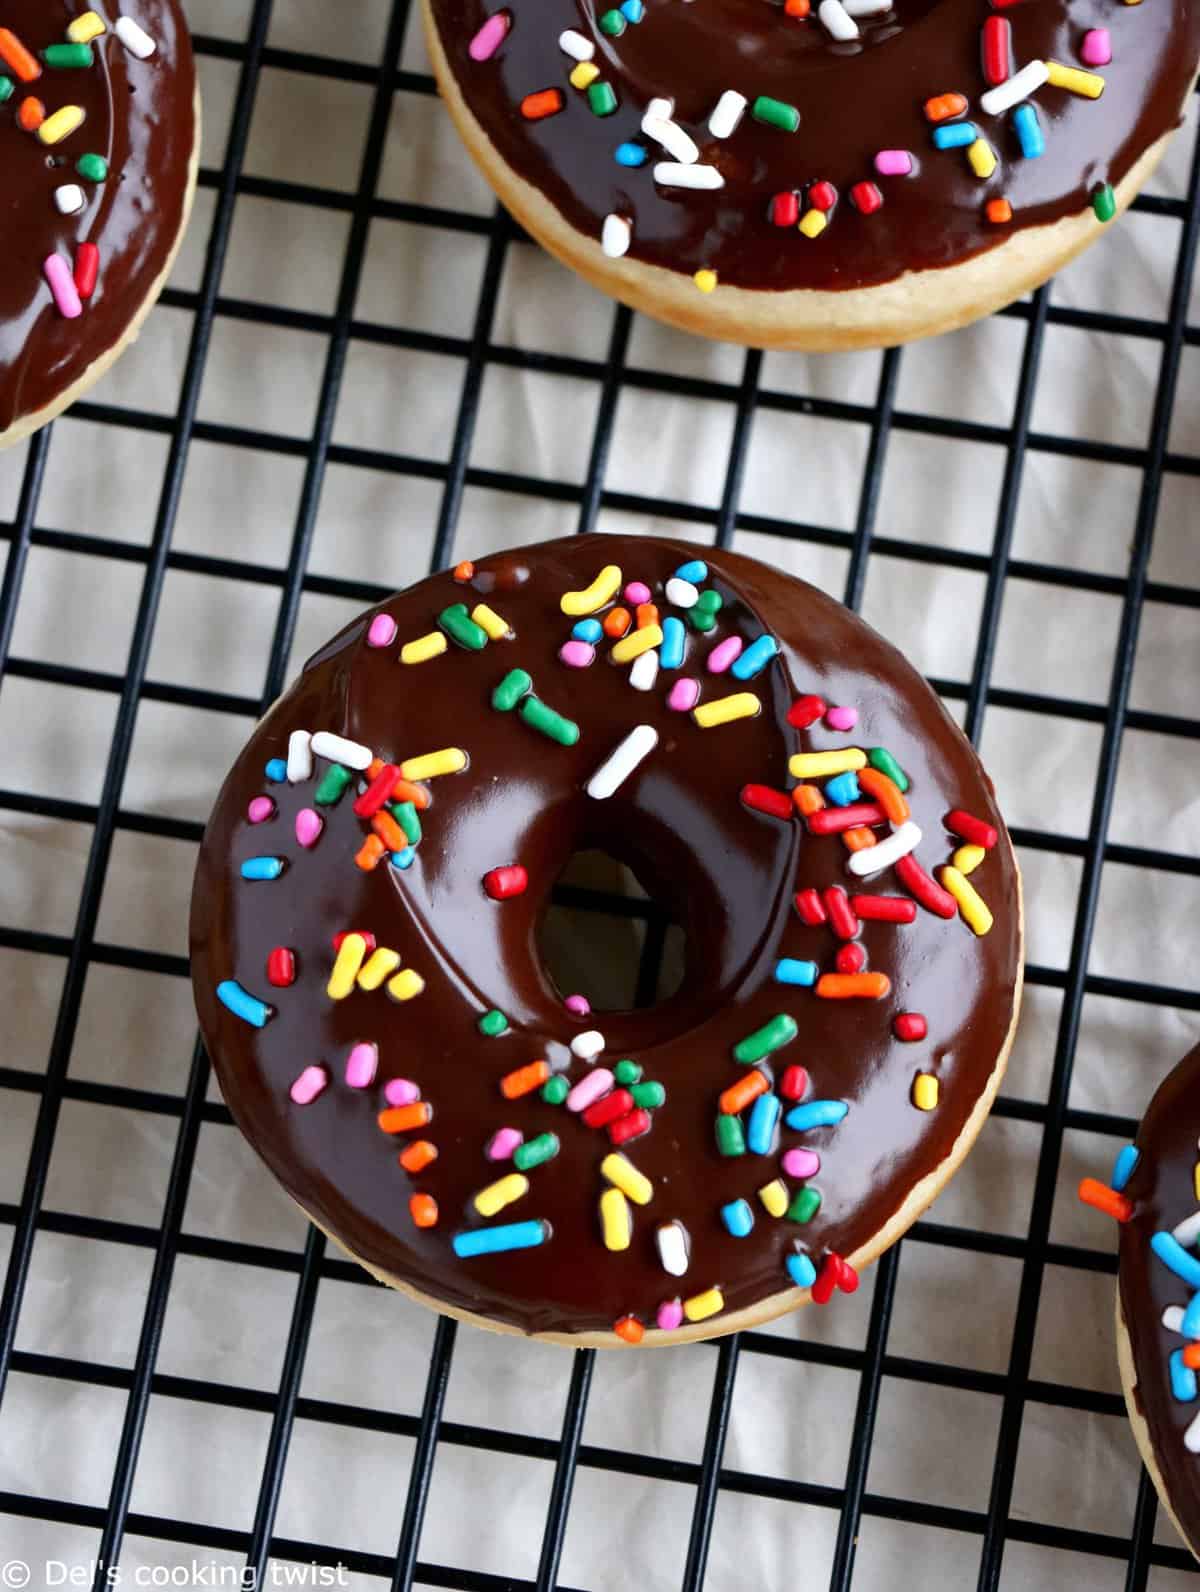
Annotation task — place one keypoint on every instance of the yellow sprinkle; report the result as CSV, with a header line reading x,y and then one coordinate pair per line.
x,y
967,858
448,761
982,157
423,648
813,222
925,1091
1196,1173
502,1192
971,904
382,963
815,765
487,619
583,74
636,642
1089,84
741,705
602,590
705,280
702,1305
774,1197
405,985
615,1219
345,968
61,124
85,28
621,1173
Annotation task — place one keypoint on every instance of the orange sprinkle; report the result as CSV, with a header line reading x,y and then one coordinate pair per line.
x,y
370,853
616,623
797,8
886,792
858,838
808,799
998,211
14,54
524,1080
31,113
546,102
406,790
629,1328
403,1119
375,767
739,1095
842,986
389,831
417,1156
1191,1356
944,107
647,614
423,1210
464,571
1105,1199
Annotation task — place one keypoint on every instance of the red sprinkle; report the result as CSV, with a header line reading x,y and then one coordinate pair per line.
x,y
909,1026
923,889
775,803
842,919
884,909
822,195
808,905
973,830
784,210
835,1273
366,934
851,958
281,967
804,711
833,820
997,49
87,269
866,197
504,883
378,792
629,1127
794,1083
613,1106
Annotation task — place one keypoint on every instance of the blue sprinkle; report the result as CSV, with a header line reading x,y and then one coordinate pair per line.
x,y
1190,1325
826,1114
755,658
403,859
738,1218
630,155
789,971
1183,1380
1127,1159
1173,1255
670,654
801,1270
242,1004
496,1240
633,9
955,135
843,789
276,770
764,1119
589,630
262,867
695,570
1029,131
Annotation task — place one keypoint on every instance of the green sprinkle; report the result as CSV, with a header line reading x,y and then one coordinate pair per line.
x,y
461,628
68,55
730,1138
535,1151
774,1035
515,684
6,89
805,1204
613,23
493,1023
333,785
405,814
92,168
1104,202
711,601
702,619
555,1090
627,1072
549,723
879,757
602,99
775,113
650,1095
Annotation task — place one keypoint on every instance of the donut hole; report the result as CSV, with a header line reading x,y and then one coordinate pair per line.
x,y
608,938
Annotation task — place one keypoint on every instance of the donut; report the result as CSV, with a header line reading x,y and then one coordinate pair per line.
x,y
367,905
100,120
1154,1193
815,174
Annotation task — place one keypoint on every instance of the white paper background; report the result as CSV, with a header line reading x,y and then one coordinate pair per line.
x,y
791,1421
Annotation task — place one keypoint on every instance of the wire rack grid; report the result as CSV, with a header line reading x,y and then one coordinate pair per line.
x,y
1126,1552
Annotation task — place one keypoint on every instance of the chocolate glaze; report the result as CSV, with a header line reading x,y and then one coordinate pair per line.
x,y
1163,1192
140,116
854,99
729,874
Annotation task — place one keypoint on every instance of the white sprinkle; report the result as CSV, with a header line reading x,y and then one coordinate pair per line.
x,y
69,199
673,1247
837,19
1172,1318
727,113
299,757
659,110
644,671
576,46
135,38
866,8
1191,1438
339,750
903,839
672,137
615,769
615,236
675,176
681,593
1188,1230
588,1045
1018,87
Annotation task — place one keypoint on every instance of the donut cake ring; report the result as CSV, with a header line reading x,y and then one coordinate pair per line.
x,y
365,956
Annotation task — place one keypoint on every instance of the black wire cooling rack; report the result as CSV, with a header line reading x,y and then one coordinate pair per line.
x,y
995,1527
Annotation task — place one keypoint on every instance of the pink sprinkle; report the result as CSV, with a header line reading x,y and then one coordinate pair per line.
x,y
309,825
400,1092
893,162
684,695
723,654
578,1005
382,632
637,592
490,37
801,1163
502,1143
260,809
670,1314
62,284
841,718
1096,49
361,1064
590,1089
576,654
308,1085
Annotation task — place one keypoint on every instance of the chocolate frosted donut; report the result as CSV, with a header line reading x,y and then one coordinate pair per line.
x,y
842,174
98,117
372,881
